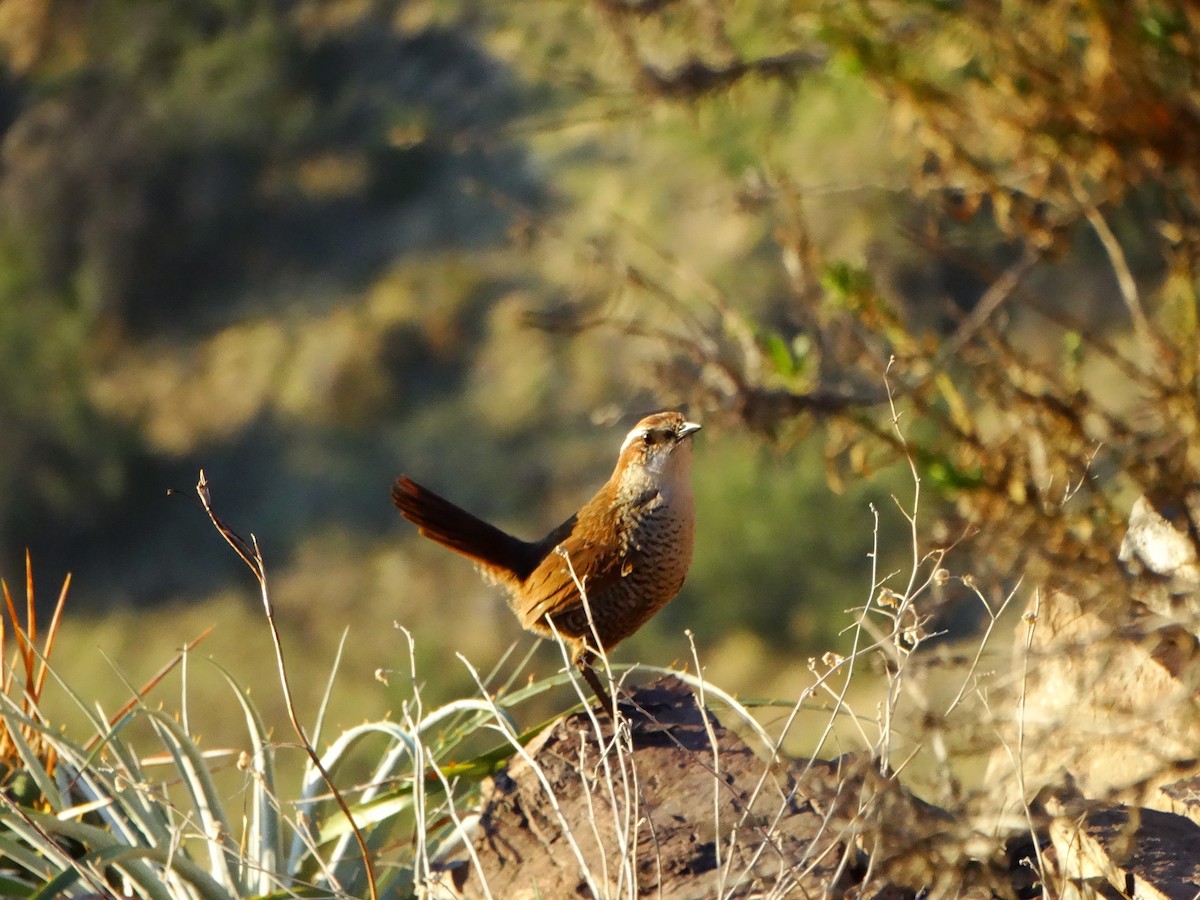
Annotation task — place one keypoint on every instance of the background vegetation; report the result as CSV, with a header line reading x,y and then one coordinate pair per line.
x,y
309,245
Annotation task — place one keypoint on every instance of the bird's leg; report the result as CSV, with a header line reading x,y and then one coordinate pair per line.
x,y
583,659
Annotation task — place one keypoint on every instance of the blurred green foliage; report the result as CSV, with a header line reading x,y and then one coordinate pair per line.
x,y
176,173
786,560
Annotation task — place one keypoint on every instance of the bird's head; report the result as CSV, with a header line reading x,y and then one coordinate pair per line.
x,y
659,445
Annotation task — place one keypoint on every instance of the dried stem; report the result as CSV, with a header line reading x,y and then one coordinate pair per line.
x,y
252,556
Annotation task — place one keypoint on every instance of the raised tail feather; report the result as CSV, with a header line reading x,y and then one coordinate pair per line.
x,y
440,520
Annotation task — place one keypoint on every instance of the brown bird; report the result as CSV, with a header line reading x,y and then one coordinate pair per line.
x,y
630,546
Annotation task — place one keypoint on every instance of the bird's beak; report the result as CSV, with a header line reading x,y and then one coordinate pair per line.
x,y
687,428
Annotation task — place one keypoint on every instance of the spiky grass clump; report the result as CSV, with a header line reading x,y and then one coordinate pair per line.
x,y
22,682
106,817
111,818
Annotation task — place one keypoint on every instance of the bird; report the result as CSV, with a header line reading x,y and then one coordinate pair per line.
x,y
629,547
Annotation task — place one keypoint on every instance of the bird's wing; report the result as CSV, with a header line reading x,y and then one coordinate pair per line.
x,y
584,550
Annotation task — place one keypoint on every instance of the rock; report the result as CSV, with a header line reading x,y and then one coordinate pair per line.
x,y
1159,555
683,808
1181,797
1114,704
651,804
1143,853
1112,682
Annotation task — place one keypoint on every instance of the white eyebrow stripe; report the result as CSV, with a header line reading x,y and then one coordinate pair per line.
x,y
633,436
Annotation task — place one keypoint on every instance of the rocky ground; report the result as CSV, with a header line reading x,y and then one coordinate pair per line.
x,y
680,807
1105,802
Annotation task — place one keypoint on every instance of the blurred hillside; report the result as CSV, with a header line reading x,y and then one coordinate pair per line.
x,y
309,245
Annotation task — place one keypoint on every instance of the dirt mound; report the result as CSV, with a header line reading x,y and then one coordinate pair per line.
x,y
680,806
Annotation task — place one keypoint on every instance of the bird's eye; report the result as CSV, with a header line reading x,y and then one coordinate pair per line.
x,y
654,436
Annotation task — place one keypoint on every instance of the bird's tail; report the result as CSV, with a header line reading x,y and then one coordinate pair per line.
x,y
501,555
